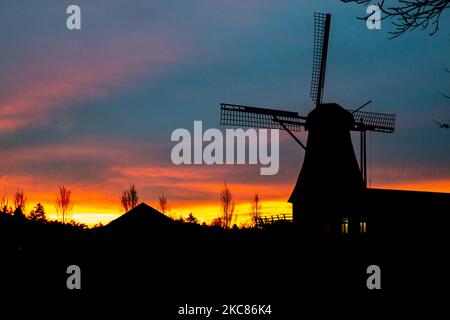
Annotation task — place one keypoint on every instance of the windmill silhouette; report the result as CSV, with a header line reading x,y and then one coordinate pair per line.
x,y
330,184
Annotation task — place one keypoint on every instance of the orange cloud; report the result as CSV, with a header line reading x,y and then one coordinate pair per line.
x,y
100,203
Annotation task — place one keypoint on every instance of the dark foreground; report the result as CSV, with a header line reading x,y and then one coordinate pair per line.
x,y
154,270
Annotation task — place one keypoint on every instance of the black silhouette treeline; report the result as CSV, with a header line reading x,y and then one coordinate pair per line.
x,y
176,261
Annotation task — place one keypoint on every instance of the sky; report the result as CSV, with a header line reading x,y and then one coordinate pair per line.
x,y
94,109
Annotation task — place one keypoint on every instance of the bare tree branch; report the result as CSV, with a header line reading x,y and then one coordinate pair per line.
x,y
441,125
163,204
129,198
64,204
256,208
20,202
227,207
409,14
444,95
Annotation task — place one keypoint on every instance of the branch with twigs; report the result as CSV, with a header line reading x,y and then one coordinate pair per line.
x,y
409,14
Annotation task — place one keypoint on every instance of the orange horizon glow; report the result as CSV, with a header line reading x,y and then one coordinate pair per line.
x,y
93,207
205,212
442,186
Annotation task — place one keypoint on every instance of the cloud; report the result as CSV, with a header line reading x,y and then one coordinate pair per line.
x,y
74,72
404,174
201,183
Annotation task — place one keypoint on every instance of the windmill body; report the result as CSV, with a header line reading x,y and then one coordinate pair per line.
x,y
330,179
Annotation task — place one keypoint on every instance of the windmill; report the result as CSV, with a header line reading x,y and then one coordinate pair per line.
x,y
329,178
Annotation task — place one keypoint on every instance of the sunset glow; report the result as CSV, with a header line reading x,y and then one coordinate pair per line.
x,y
94,109
91,207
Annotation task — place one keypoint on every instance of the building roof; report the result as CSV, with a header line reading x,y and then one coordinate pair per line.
x,y
142,215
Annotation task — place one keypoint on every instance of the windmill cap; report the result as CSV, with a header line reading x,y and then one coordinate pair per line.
x,y
329,116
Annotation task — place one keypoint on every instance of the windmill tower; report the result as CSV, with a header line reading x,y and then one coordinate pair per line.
x,y
329,190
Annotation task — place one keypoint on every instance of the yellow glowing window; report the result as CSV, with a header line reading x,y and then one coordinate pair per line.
x,y
345,225
363,227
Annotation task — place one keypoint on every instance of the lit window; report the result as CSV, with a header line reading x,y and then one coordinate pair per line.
x,y
363,226
345,225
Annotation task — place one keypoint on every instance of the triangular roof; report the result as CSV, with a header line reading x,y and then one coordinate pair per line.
x,y
141,215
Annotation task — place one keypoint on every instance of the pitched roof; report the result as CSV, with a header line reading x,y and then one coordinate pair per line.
x,y
142,215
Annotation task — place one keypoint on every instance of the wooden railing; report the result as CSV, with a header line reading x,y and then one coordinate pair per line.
x,y
267,220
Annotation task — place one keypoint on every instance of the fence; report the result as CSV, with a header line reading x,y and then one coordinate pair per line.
x,y
268,220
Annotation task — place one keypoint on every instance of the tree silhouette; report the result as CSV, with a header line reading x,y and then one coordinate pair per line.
x,y
216,222
129,198
227,207
38,213
163,204
191,219
64,204
5,207
410,15
256,208
19,202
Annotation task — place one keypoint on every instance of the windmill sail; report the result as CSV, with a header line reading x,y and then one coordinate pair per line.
x,y
321,35
373,121
245,116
